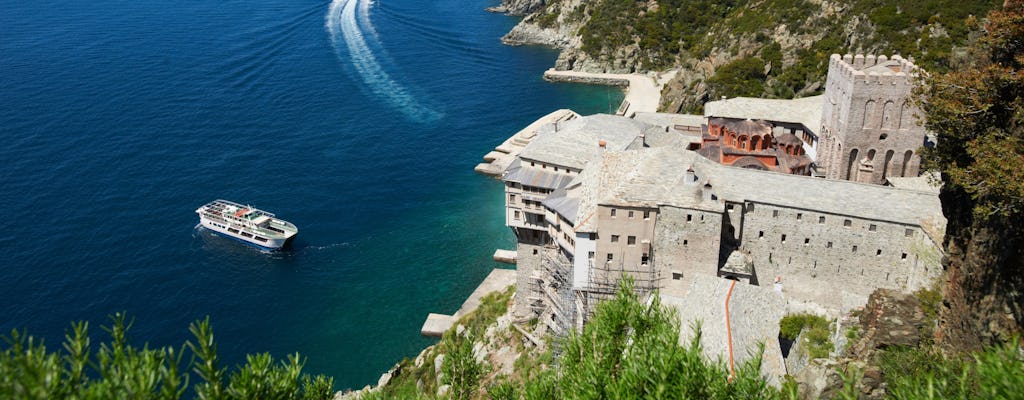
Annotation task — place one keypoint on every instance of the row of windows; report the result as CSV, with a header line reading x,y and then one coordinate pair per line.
x,y
545,166
631,214
828,245
630,240
644,259
846,222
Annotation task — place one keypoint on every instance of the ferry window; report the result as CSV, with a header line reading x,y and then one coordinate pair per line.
x,y
631,240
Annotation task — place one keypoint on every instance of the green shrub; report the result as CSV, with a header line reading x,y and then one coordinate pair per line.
x,y
818,336
118,369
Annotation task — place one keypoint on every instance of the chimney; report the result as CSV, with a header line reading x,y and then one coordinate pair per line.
x,y
691,177
709,196
602,144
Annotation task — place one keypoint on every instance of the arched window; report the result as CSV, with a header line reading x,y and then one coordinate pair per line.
x,y
906,161
889,117
851,163
755,141
742,144
871,155
869,111
888,160
906,116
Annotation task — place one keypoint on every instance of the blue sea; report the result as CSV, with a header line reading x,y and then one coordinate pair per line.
x,y
359,122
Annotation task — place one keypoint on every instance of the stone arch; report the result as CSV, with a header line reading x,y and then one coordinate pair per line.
x,y
906,162
853,162
888,160
869,111
889,117
751,163
755,142
742,143
871,155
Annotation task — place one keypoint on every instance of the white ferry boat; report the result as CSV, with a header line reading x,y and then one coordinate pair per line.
x,y
247,224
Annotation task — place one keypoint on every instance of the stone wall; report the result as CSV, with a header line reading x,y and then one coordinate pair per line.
x,y
687,243
820,255
527,268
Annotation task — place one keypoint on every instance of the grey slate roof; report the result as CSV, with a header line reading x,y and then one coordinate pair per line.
x,y
534,177
806,111
575,142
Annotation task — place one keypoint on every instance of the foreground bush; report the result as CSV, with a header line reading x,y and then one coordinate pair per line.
x,y
118,370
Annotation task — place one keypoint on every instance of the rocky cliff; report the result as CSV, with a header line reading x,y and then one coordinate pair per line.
x,y
760,48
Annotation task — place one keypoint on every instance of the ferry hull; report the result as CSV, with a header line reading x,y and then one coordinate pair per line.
x,y
269,245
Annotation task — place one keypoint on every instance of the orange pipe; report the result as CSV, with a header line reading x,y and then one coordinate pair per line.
x,y
728,330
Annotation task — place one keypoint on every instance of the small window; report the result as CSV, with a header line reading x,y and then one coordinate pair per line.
x,y
807,241
730,207
516,215
590,255
685,242
775,213
847,223
872,227
556,169
533,164
783,238
610,256
593,236
631,240
544,166
855,248
631,214
647,215
689,217
760,234
908,233
511,198
903,256
613,212
644,259
615,238
821,220
799,216
828,245
878,252
676,275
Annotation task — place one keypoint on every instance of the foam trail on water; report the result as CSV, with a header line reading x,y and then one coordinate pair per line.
x,y
343,26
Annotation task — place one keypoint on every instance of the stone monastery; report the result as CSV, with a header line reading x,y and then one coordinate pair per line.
x,y
817,198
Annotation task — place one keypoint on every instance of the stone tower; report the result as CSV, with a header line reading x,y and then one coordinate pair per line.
x,y
869,131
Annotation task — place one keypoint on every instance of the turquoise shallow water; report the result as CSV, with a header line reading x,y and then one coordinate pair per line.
x,y
362,127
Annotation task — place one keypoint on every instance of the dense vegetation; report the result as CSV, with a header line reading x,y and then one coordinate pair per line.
x,y
977,113
745,33
817,335
119,370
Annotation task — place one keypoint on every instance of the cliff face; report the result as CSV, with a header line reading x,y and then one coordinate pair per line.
x,y
518,7
984,284
707,41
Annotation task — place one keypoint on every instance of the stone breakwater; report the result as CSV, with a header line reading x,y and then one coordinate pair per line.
x,y
643,91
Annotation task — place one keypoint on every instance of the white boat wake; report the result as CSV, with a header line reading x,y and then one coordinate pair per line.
x,y
343,23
